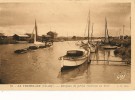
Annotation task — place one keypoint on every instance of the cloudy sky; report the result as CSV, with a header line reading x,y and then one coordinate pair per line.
x,y
66,18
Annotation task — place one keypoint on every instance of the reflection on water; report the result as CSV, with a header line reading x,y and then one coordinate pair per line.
x,y
72,75
42,66
98,71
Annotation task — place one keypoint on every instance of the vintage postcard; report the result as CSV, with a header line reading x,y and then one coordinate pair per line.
x,y
67,45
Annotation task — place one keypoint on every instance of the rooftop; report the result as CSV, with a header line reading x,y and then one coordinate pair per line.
x,y
2,34
22,35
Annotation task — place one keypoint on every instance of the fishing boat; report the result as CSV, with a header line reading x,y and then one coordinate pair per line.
x,y
21,51
92,45
105,44
37,44
76,57
90,38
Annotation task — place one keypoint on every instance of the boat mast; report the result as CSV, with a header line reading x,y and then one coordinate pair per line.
x,y
105,29
88,26
123,31
119,33
36,31
92,32
130,24
107,36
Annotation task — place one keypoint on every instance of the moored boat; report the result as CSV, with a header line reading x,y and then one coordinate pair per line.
x,y
36,42
33,47
109,47
90,41
105,44
21,51
75,58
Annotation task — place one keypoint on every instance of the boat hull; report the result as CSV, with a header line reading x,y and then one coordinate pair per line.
x,y
109,47
71,67
74,61
21,51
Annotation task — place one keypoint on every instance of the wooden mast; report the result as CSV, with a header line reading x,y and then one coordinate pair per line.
x,y
123,31
36,31
105,29
92,32
106,32
130,24
88,26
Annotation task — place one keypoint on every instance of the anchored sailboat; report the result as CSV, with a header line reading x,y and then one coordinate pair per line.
x,y
90,37
92,45
36,42
106,41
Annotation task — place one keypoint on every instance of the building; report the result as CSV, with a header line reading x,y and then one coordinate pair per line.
x,y
52,34
2,36
30,35
21,37
46,38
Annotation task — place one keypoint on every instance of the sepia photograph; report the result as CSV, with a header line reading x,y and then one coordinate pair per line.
x,y
65,42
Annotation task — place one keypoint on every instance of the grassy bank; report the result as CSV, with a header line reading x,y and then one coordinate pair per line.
x,y
7,41
124,53
121,42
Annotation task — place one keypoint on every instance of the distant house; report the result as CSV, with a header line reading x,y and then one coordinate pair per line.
x,y
20,37
30,35
46,38
2,36
52,34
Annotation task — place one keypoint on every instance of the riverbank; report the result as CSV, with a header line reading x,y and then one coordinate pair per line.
x,y
124,49
124,53
7,41
11,40
121,42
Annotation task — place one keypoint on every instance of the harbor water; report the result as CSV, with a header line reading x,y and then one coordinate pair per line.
x,y
42,66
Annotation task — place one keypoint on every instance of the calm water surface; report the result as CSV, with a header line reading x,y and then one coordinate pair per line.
x,y
42,66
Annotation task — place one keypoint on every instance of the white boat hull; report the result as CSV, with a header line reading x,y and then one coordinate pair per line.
x,y
74,62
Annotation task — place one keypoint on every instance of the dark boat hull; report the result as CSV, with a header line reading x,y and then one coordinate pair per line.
x,y
21,51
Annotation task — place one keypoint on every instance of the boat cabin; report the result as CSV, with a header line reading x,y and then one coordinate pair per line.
x,y
74,53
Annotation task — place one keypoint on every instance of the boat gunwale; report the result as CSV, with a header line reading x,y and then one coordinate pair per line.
x,y
75,58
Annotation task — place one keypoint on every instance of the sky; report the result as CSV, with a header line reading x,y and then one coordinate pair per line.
x,y
65,18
